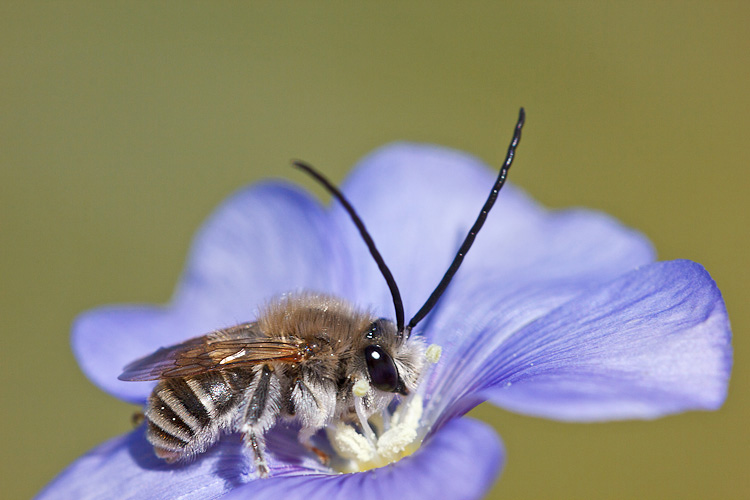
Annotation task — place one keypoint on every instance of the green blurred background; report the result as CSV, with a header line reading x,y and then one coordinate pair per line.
x,y
125,123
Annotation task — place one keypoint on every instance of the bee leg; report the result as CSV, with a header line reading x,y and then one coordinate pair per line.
x,y
305,438
257,444
258,417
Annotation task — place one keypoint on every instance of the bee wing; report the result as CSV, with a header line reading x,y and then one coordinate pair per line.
x,y
240,345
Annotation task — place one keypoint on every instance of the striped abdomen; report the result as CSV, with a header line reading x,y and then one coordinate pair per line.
x,y
186,415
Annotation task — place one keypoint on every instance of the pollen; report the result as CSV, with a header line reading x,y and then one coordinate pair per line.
x,y
402,432
401,438
433,353
350,444
361,388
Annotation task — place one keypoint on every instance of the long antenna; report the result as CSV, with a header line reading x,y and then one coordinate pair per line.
x,y
397,303
469,240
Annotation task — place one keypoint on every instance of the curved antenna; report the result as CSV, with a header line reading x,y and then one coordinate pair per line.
x,y
469,240
397,303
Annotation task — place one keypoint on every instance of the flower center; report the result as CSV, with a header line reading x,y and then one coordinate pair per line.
x,y
399,438
396,435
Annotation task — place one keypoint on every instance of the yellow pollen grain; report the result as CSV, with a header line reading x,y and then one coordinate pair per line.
x,y
433,353
361,388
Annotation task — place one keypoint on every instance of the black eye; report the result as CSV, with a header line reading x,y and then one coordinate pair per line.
x,y
382,369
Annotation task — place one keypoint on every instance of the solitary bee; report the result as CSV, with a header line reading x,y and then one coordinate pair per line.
x,y
309,358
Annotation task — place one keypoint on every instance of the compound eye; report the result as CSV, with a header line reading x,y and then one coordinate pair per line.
x,y
381,368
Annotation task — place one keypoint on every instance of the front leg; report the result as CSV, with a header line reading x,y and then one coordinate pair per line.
x,y
260,414
314,400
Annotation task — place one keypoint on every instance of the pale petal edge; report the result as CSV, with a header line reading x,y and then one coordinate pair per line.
x,y
654,342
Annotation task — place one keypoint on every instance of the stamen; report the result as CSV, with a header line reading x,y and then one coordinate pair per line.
x,y
403,430
399,434
432,356
385,420
359,406
350,444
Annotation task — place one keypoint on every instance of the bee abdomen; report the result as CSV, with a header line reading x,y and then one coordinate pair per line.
x,y
186,415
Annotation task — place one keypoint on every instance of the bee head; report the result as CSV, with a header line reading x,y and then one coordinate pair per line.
x,y
391,360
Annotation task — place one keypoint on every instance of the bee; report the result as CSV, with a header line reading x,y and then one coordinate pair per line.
x,y
307,358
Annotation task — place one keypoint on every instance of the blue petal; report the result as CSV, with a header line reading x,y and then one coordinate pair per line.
x,y
126,468
652,342
106,339
472,328
265,241
262,242
459,462
419,202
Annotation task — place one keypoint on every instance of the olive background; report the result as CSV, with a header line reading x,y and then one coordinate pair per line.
x,y
125,123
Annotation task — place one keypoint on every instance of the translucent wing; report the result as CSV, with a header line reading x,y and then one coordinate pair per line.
x,y
241,345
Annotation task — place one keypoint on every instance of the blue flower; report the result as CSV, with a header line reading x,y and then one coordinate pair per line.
x,y
560,314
